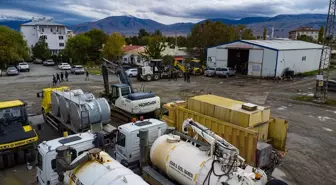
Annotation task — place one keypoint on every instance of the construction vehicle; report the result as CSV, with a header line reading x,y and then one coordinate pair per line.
x,y
152,71
125,102
74,111
181,158
243,125
77,159
17,137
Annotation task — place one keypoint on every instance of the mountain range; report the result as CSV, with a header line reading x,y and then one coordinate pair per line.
x,y
129,25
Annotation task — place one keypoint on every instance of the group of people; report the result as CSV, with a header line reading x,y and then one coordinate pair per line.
x,y
58,78
174,75
187,75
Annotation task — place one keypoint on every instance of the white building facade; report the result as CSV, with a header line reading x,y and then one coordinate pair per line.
x,y
309,31
54,34
266,58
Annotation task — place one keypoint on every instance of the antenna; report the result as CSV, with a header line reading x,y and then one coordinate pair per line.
x,y
323,72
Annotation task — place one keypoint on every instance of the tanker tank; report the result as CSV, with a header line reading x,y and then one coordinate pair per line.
x,y
101,169
188,165
56,100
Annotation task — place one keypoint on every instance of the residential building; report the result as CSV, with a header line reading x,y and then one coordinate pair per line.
x,y
266,58
309,31
132,55
55,34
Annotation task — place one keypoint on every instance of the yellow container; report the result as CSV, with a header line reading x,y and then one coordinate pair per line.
x,y
228,110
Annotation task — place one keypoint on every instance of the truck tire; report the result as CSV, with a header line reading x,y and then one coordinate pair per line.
x,y
156,77
148,77
20,157
2,164
180,75
10,160
276,182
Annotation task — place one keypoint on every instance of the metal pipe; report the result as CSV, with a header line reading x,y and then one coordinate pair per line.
x,y
143,135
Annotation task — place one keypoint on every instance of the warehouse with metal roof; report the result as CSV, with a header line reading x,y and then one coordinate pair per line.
x,y
266,58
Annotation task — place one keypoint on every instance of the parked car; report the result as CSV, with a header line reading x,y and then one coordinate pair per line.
x,y
331,85
37,61
64,66
12,71
49,62
132,72
23,66
77,69
225,71
210,72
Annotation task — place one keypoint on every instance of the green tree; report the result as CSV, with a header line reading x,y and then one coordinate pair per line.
x,y
98,38
305,38
77,49
142,33
154,48
248,34
41,50
320,35
113,48
265,33
168,60
12,47
157,33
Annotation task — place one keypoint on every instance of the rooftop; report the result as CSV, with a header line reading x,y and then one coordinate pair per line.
x,y
143,124
131,47
284,44
42,21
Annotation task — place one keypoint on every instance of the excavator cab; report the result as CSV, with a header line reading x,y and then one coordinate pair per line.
x,y
118,90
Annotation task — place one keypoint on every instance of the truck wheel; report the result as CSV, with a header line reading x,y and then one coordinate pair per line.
x,y
149,77
2,164
20,157
10,160
131,76
276,182
156,77
180,75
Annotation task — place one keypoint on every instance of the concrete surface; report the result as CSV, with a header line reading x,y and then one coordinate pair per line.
x,y
311,140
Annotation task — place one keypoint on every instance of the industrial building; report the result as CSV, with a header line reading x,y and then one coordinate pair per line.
x,y
266,58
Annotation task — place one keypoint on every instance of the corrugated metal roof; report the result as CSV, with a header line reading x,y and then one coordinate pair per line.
x,y
42,22
283,44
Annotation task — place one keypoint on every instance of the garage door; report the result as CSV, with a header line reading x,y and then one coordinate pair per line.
x,y
221,57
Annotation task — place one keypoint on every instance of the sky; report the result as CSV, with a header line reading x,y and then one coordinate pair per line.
x,y
163,11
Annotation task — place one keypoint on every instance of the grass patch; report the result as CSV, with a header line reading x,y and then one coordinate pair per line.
x,y
309,73
305,98
94,71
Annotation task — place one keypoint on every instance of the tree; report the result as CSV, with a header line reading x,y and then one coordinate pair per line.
x,y
77,48
320,35
167,60
154,48
265,33
157,33
142,33
98,38
113,48
12,47
248,34
41,50
305,38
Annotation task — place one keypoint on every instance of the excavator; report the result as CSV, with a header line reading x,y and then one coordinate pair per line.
x,y
126,103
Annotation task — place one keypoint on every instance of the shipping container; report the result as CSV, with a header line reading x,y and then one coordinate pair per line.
x,y
228,110
273,131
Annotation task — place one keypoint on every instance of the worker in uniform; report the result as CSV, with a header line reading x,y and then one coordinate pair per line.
x,y
87,75
188,75
66,76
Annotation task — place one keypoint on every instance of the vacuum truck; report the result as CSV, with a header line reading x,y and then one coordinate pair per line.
x,y
75,160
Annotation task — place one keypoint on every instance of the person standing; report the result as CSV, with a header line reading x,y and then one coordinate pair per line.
x,y
54,80
66,76
87,75
175,74
62,77
58,78
185,75
188,75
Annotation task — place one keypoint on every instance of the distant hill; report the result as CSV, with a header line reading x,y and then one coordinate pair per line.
x,y
129,25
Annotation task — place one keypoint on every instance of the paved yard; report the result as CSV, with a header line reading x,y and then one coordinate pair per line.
x,y
311,138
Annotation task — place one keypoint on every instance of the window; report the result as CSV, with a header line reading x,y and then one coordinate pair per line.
x,y
40,161
61,44
60,37
225,69
125,91
43,37
304,58
209,59
42,29
53,164
50,29
121,139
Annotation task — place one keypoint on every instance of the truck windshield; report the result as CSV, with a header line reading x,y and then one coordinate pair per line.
x,y
11,114
121,139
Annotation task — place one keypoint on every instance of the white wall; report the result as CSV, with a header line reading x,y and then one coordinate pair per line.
x,y
255,62
221,57
30,35
294,60
211,57
268,66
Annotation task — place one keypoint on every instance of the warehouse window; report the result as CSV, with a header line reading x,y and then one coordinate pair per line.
x,y
61,44
304,58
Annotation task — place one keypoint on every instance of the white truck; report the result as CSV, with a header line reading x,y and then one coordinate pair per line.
x,y
75,160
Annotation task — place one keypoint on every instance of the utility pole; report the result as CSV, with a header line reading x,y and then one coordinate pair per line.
x,y
323,72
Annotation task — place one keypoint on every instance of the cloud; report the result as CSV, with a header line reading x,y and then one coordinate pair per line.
x,y
165,11
13,13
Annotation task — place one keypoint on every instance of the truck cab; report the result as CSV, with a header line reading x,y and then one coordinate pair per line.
x,y
46,159
128,142
17,137
46,97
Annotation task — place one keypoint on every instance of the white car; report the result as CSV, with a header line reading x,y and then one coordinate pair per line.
x,y
132,72
23,66
64,66
49,62
77,69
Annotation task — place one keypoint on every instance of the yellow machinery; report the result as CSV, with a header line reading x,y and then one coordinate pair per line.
x,y
196,67
46,97
17,137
